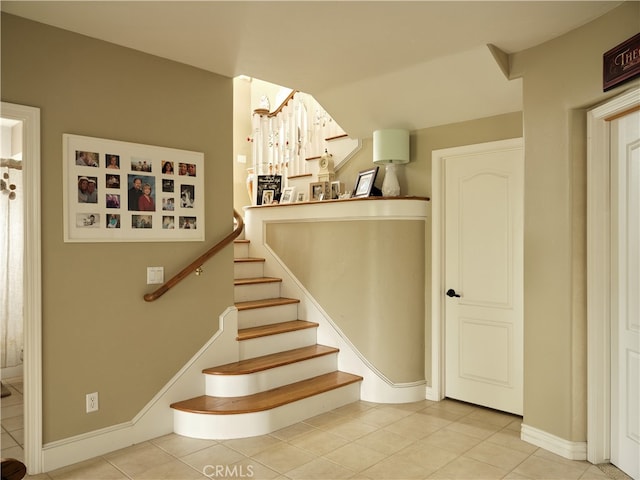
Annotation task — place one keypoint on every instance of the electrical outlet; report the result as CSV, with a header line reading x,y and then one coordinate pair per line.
x,y
92,402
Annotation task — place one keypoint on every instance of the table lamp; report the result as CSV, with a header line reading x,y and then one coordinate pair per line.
x,y
391,148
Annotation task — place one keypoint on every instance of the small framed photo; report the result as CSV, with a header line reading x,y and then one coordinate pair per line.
x,y
364,183
319,191
288,195
267,197
336,190
301,197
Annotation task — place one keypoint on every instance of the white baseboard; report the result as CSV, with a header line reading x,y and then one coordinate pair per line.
x,y
557,445
156,418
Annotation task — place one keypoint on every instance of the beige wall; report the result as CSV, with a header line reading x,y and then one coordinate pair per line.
x,y
98,333
562,79
369,276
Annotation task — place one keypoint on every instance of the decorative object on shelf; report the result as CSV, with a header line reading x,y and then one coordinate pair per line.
x,y
319,191
301,197
326,172
268,182
336,190
251,180
365,184
391,148
288,195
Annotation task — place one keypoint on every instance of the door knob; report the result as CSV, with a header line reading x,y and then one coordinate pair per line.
x,y
452,293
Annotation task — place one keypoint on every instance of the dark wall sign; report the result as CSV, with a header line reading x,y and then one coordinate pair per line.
x,y
621,63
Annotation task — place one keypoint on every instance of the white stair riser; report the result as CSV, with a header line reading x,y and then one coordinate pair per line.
x,y
257,317
221,427
240,385
257,347
248,269
256,291
241,250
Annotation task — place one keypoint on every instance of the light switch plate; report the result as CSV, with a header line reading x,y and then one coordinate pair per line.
x,y
155,275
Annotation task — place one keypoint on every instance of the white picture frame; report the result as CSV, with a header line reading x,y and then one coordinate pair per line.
x,y
168,206
288,195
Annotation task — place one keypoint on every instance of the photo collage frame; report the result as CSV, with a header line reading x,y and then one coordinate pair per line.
x,y
125,192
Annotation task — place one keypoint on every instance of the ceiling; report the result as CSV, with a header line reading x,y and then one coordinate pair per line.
x,y
371,64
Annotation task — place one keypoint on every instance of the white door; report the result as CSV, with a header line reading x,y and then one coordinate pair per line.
x,y
625,295
483,275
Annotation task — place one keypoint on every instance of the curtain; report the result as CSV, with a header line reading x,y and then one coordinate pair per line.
x,y
11,264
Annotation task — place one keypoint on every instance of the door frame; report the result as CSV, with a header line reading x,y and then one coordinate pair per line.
x,y
436,390
599,241
32,284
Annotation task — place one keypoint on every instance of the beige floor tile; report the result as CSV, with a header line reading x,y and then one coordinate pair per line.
x,y
214,456
138,458
283,458
319,442
353,408
515,476
292,431
97,468
40,476
179,446
13,423
324,419
594,473
172,470
247,469
493,417
468,468
450,440
473,428
13,452
414,426
397,467
355,457
443,414
511,439
497,455
381,417
351,430
429,459
538,467
252,445
547,455
7,441
384,442
9,411
320,469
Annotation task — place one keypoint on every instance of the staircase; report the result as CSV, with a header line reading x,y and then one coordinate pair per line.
x,y
283,376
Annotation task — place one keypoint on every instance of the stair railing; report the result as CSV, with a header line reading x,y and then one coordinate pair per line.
x,y
196,265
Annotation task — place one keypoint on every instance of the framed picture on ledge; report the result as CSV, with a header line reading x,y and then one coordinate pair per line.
x,y
365,183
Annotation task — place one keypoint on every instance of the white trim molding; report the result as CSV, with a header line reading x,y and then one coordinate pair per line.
x,y
557,445
599,274
156,418
32,288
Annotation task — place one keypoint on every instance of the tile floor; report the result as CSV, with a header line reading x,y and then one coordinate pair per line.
x,y
360,441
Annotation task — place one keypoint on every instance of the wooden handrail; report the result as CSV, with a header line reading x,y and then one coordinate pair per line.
x,y
197,263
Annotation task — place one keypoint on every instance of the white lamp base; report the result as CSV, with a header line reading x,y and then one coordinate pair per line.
x,y
390,185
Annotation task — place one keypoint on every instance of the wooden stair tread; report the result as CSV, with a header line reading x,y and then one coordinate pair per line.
x,y
269,399
248,259
241,240
256,280
267,302
274,329
273,360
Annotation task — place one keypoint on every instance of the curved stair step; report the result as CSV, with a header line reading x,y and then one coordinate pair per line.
x,y
253,365
269,399
274,329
